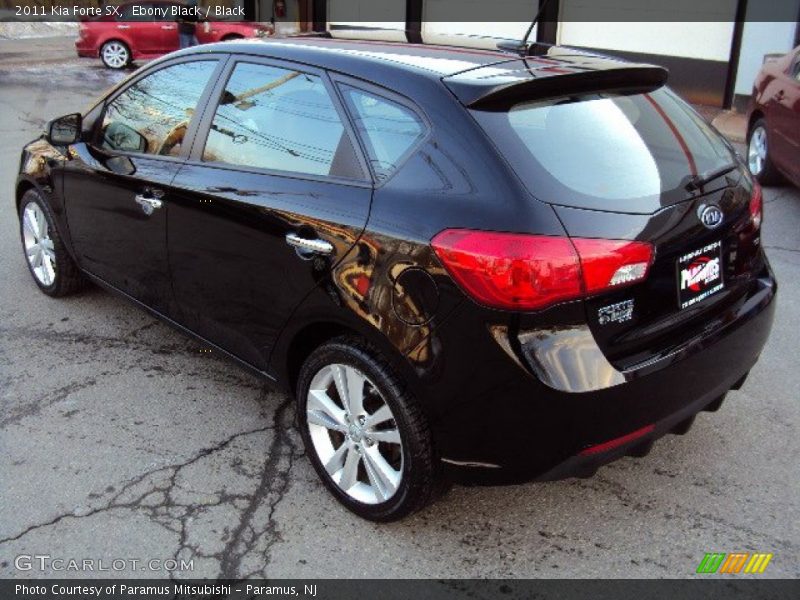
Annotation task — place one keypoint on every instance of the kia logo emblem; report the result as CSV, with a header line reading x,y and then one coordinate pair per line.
x,y
710,216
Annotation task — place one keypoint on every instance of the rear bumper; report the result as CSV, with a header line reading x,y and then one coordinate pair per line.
x,y
519,429
84,49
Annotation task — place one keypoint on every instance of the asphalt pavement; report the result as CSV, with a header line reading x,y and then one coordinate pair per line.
x,y
120,440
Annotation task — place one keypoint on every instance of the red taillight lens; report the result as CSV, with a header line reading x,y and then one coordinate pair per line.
x,y
756,206
509,270
612,263
529,272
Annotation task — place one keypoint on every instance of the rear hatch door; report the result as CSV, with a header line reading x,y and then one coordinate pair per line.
x,y
636,164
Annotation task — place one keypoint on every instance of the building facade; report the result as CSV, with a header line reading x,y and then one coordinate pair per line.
x,y
713,48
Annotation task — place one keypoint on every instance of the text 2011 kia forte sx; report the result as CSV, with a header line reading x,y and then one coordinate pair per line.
x,y
465,264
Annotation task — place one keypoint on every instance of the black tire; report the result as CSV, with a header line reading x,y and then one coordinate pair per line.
x,y
232,36
421,480
768,175
124,64
67,277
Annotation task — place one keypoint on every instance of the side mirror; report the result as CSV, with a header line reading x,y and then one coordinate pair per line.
x,y
64,130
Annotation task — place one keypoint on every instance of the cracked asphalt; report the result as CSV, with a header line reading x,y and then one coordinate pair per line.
x,y
119,439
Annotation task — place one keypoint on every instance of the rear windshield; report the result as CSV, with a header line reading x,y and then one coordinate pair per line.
x,y
615,153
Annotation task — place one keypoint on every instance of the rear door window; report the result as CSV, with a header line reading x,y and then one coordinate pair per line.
x,y
282,120
388,129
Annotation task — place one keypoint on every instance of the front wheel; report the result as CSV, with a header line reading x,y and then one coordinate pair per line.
x,y
115,54
52,267
365,435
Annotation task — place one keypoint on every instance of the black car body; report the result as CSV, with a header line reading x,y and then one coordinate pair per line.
x,y
403,247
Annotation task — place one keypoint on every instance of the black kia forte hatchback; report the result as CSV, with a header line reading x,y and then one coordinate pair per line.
x,y
465,264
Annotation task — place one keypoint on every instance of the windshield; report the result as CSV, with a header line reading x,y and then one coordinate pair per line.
x,y
615,153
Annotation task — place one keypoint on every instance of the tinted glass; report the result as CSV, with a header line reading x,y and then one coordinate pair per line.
x,y
388,129
278,119
153,114
622,153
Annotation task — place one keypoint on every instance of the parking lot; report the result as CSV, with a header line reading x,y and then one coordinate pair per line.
x,y
119,439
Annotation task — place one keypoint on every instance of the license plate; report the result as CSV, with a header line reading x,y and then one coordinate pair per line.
x,y
699,274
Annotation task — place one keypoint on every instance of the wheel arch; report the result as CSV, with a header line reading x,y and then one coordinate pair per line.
x,y
296,346
23,185
114,38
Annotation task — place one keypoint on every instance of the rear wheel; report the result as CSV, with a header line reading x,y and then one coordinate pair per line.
x,y
115,54
364,433
52,267
758,157
232,36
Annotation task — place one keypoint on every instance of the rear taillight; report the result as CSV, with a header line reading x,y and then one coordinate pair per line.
x,y
530,272
612,263
756,206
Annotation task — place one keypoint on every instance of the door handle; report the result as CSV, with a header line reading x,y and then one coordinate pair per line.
x,y
168,27
149,202
123,26
306,246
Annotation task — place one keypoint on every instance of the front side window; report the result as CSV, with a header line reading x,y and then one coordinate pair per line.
x,y
388,129
279,119
153,114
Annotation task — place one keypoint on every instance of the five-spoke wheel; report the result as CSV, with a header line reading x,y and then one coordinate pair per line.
x,y
49,262
366,436
38,244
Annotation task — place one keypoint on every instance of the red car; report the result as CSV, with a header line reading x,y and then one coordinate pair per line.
x,y
773,133
120,39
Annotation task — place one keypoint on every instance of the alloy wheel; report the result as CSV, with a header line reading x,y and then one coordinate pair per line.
x,y
38,245
757,151
354,434
115,55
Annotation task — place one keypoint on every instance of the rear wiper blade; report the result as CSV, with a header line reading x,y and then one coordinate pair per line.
x,y
698,181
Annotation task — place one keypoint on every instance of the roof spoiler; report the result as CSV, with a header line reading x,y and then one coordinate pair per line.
x,y
475,91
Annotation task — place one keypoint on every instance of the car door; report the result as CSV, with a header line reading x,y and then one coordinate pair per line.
x,y
169,28
786,121
273,196
117,185
149,34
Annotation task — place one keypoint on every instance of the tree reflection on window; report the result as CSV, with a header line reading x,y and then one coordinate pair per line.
x,y
160,106
277,119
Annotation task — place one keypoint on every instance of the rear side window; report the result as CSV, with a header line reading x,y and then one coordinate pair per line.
x,y
153,114
618,153
388,129
278,119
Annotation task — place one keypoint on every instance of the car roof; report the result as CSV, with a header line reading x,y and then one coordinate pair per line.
x,y
358,56
468,72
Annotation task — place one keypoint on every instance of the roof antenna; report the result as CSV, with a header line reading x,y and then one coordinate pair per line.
x,y
521,48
